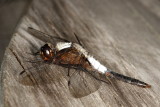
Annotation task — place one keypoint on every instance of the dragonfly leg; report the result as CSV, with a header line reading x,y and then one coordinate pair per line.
x,y
78,39
69,71
36,53
69,66
69,81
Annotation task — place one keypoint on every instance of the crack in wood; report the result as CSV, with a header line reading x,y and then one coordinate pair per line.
x,y
16,56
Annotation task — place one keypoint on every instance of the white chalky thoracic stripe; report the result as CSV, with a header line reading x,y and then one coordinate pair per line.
x,y
63,45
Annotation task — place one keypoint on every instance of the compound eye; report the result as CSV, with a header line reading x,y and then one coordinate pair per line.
x,y
46,52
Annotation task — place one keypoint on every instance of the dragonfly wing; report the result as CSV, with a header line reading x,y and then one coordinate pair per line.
x,y
45,37
82,84
39,74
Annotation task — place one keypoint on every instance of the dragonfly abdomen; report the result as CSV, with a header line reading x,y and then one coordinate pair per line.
x,y
127,79
95,64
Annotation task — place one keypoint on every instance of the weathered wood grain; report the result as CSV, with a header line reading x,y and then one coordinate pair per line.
x,y
119,33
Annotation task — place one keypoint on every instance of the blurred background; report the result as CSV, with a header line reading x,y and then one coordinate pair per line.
x,y
11,12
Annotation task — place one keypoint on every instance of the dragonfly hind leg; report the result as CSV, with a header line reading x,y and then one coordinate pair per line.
x,y
68,76
69,81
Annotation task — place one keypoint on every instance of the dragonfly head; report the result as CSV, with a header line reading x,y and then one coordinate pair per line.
x,y
46,53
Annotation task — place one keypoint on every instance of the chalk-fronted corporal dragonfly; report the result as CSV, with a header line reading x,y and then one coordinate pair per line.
x,y
73,55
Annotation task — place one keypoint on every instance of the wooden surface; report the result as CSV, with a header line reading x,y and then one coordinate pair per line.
x,y
123,35
8,24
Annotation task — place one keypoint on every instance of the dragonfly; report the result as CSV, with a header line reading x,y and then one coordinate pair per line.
x,y
74,56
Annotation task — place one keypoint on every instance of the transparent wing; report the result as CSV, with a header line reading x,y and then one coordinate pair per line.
x,y
83,83
39,74
45,37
